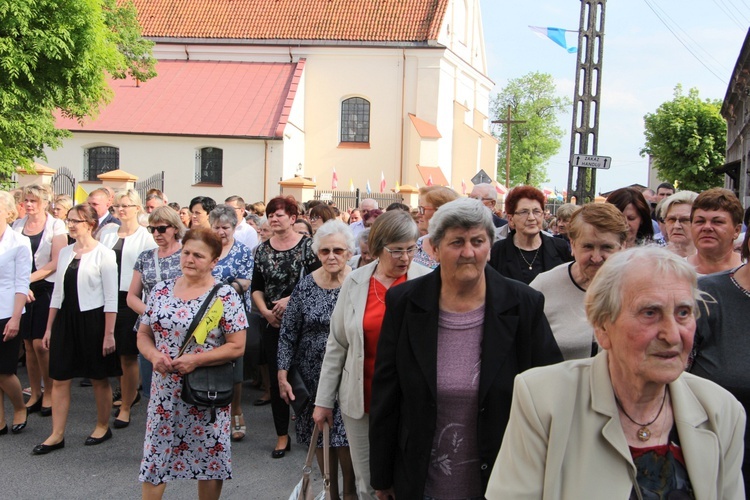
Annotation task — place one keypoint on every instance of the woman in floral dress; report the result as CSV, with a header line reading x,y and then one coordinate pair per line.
x,y
182,442
303,339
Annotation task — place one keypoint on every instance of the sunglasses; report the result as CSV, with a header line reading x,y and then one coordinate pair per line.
x,y
158,229
336,251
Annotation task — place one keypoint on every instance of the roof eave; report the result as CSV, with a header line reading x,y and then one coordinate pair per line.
x,y
296,43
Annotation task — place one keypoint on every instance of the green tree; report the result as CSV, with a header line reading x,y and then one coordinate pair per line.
x,y
686,137
54,57
532,98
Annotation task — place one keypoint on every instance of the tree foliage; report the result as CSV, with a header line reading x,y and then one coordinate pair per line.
x,y
532,98
54,57
686,137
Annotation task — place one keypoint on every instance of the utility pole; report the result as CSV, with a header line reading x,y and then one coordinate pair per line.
x,y
584,136
508,123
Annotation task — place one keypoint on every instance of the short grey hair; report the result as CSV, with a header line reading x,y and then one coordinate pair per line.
x,y
363,236
169,216
566,211
464,213
395,226
488,189
223,213
680,198
332,228
603,299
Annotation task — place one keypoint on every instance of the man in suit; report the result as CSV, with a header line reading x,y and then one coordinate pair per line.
x,y
100,201
488,196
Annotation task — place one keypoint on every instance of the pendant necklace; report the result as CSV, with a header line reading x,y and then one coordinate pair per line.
x,y
530,264
643,433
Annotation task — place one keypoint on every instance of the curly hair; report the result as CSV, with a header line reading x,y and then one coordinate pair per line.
x,y
520,192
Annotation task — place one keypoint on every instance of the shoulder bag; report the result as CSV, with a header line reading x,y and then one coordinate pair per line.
x,y
209,386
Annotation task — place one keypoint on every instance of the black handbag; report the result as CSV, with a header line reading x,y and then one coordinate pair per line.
x,y
209,386
300,390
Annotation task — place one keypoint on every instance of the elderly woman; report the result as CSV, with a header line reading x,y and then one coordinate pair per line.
x,y
127,240
182,441
597,231
450,346
200,207
675,214
48,236
634,206
628,423
349,363
303,338
527,251
431,198
280,263
715,222
364,257
301,226
80,332
722,338
15,268
235,265
563,216
161,263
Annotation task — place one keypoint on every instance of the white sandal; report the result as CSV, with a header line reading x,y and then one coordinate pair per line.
x,y
238,431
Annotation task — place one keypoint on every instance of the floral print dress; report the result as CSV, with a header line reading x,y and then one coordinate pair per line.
x,y
181,442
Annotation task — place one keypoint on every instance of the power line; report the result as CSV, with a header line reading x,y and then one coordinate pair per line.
x,y
722,80
726,11
739,11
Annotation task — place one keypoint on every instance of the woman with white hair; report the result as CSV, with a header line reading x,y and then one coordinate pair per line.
x,y
450,346
128,241
675,213
303,339
628,423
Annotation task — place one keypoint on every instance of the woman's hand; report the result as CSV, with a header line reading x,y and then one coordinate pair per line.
x,y
322,415
388,494
30,297
108,346
45,339
285,389
162,363
272,319
185,364
11,328
279,306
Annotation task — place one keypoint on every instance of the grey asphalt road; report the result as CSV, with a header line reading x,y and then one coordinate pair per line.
x,y
110,470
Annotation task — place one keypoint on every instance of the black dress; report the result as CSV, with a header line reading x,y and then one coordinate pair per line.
x,y
125,335
77,338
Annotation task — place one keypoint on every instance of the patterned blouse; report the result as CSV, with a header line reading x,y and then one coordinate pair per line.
x,y
277,272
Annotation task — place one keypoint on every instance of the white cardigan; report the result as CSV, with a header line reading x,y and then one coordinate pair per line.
x,y
52,227
15,269
132,247
97,279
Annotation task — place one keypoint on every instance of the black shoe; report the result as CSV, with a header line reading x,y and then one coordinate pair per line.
x,y
46,411
4,431
43,449
117,397
137,399
282,453
85,382
120,424
18,428
92,441
261,402
36,406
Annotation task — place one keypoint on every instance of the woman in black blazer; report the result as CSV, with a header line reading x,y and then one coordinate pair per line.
x,y
527,251
450,346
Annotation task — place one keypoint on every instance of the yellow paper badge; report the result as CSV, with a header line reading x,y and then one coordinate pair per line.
x,y
209,322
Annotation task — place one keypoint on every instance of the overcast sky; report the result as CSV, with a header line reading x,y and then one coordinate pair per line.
x,y
642,63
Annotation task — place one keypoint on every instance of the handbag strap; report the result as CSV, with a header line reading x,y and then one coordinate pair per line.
x,y
157,266
307,470
198,317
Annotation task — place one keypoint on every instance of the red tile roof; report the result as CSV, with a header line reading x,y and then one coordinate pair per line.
x,y
343,20
204,98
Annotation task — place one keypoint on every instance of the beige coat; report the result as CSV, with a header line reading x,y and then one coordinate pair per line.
x,y
343,364
564,439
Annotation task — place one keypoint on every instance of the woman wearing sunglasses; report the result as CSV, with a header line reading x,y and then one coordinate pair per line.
x,y
127,240
155,265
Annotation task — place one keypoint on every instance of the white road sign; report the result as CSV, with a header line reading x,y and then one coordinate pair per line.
x,y
585,161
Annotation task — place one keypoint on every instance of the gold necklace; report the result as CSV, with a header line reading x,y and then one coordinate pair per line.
x,y
643,433
530,264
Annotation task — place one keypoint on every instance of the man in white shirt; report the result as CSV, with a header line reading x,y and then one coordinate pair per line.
x,y
365,206
244,232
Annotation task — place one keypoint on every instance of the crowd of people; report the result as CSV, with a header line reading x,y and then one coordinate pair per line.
x,y
458,349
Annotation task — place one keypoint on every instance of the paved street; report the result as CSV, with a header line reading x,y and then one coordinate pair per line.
x,y
110,470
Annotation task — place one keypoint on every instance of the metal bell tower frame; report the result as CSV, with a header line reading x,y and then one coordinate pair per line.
x,y
585,129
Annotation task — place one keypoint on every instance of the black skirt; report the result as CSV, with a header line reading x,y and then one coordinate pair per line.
x,y
8,351
34,320
125,335
78,337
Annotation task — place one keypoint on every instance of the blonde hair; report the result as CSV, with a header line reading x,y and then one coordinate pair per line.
x,y
133,195
10,205
38,191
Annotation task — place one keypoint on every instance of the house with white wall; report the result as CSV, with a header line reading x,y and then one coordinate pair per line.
x,y
250,92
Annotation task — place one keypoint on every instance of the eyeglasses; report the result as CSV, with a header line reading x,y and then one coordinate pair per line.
x,y
684,221
158,229
397,254
314,218
123,206
525,213
73,222
327,251
303,233
423,209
